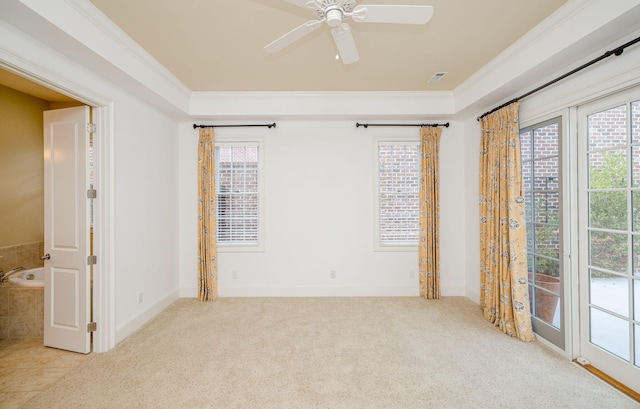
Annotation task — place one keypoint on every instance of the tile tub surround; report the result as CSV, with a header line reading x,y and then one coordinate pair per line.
x,y
21,312
25,255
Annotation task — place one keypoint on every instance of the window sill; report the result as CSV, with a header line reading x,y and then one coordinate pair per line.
x,y
249,248
395,248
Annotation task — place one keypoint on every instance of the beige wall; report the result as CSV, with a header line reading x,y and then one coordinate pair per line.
x,y
21,168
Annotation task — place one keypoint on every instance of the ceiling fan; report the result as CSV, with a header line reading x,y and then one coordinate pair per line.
x,y
336,12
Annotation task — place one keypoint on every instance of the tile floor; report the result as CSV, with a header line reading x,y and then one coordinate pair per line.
x,y
27,367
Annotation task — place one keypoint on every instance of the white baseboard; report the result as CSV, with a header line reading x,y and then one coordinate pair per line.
x,y
319,292
453,291
138,320
192,292
447,291
473,296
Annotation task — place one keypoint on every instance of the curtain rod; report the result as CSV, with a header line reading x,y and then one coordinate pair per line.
x,y
358,125
273,125
617,52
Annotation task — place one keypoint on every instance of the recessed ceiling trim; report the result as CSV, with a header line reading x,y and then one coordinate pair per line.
x,y
323,104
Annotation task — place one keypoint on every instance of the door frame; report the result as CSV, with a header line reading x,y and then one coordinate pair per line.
x,y
104,175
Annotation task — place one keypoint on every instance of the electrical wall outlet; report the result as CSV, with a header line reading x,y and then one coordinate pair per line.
x,y
140,297
234,275
332,274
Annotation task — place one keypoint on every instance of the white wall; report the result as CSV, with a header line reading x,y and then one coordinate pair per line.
x,y
319,216
146,208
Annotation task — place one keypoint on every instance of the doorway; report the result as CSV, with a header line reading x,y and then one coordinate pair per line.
x,y
103,315
541,146
609,235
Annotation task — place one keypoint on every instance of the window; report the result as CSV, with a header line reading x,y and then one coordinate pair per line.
x,y
238,190
398,191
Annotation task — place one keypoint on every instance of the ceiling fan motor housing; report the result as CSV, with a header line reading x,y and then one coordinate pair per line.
x,y
334,17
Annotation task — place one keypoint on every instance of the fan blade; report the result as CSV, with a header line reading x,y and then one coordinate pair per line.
x,y
345,43
392,14
293,36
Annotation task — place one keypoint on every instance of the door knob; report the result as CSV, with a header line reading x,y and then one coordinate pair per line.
x,y
46,257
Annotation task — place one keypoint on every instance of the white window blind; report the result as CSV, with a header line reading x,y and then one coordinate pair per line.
x,y
398,193
237,193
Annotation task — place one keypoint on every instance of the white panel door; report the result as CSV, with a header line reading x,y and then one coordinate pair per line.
x,y
67,279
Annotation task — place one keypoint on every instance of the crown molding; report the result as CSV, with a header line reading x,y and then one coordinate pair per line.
x,y
87,25
551,45
12,48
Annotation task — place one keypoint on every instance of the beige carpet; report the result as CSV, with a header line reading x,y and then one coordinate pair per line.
x,y
327,353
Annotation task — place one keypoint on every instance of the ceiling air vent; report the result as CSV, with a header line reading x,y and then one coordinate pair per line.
x,y
436,77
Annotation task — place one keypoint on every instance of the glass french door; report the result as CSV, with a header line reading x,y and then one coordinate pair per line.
x,y
609,226
541,170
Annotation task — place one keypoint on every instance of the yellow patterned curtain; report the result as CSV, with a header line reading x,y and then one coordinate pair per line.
x,y
207,246
504,296
429,243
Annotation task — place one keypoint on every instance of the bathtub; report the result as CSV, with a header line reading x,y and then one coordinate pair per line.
x,y
29,278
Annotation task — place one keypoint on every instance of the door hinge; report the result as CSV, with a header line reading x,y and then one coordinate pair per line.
x,y
91,128
92,327
91,260
92,194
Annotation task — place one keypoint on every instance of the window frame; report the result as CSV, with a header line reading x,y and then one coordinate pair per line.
x,y
389,138
244,138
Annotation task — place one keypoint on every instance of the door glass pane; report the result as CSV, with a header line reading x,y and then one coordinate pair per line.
x,y
635,174
635,203
608,210
547,241
547,207
610,333
637,345
608,169
528,200
526,146
608,251
546,306
546,140
636,300
636,256
546,176
635,121
608,128
547,270
610,291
